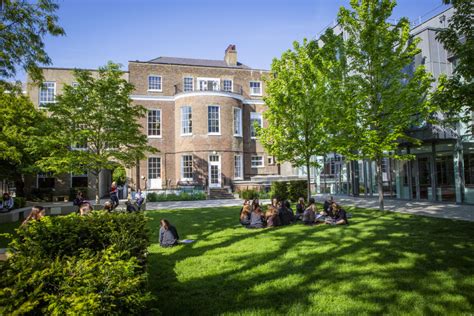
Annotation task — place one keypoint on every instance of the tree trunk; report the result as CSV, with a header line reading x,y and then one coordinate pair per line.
x,y
97,185
308,178
380,182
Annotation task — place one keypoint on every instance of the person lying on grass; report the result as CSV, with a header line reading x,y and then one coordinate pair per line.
x,y
257,219
168,234
245,215
309,214
339,216
272,217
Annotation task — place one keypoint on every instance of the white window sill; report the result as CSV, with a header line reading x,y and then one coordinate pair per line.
x,y
186,179
238,178
253,138
238,135
258,166
214,134
155,136
154,90
188,134
255,95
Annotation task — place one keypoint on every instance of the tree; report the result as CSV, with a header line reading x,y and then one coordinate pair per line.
x,y
97,118
388,99
23,25
454,95
299,101
21,128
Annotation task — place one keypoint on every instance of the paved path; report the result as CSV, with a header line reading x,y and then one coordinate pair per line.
x,y
433,209
425,208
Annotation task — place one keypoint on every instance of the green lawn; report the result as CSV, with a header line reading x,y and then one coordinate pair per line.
x,y
383,263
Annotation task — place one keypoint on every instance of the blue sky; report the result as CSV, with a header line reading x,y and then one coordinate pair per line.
x,y
120,30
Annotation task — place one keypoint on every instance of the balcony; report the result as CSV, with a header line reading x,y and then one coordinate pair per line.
x,y
236,89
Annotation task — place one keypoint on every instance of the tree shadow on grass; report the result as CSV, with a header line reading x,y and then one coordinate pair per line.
x,y
381,263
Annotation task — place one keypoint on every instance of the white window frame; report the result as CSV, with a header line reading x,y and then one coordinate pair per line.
x,y
208,79
183,133
253,117
43,104
239,117
148,167
184,83
161,83
251,89
231,85
262,159
219,121
240,165
148,124
183,178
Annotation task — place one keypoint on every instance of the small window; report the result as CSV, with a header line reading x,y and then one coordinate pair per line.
x,y
154,83
188,84
255,88
213,122
154,168
228,85
186,168
257,161
238,122
255,119
271,160
238,166
46,180
79,180
186,120
154,123
47,93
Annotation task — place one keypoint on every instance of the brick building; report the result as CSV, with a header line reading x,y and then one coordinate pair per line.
x,y
201,118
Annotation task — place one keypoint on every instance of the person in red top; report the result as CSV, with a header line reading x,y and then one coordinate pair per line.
x,y
114,195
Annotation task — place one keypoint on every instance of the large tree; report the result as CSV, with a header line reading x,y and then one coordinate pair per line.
x,y
388,99
299,103
455,95
22,127
97,125
23,26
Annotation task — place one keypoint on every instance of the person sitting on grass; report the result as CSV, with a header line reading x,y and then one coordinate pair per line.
x,y
6,203
245,215
130,207
327,203
339,216
272,217
168,234
309,214
37,213
327,214
300,207
257,219
246,202
286,216
108,206
255,204
85,208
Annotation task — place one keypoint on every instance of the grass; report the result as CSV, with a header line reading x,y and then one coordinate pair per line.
x,y
383,263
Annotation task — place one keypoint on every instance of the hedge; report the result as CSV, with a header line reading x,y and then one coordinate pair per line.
x,y
289,190
72,264
182,196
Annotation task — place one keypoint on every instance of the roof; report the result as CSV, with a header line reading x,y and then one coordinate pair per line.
x,y
195,62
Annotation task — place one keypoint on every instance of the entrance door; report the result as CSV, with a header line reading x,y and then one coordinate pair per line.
x,y
214,171
421,178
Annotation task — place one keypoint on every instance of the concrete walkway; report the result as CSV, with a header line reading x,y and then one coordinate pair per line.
x,y
424,208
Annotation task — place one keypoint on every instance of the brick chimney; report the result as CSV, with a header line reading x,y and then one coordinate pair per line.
x,y
231,55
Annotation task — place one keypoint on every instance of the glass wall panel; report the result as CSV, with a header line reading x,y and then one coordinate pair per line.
x,y
445,189
468,156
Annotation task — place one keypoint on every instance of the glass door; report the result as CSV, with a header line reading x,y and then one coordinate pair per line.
x,y
214,171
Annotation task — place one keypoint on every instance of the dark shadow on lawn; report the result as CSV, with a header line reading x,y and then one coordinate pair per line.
x,y
381,263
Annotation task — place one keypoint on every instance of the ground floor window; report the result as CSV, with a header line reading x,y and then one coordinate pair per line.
x,y
187,168
154,167
46,180
238,174
257,161
79,180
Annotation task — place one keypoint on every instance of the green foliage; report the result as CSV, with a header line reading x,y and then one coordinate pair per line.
x,y
119,175
279,190
249,194
77,265
99,114
386,99
454,95
289,190
182,196
22,128
23,26
73,193
19,202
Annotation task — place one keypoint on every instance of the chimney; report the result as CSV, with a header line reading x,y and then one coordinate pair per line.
x,y
231,55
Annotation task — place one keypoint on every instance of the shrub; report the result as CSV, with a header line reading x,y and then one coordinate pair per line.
x,y
74,264
279,190
182,196
19,202
249,194
297,189
119,175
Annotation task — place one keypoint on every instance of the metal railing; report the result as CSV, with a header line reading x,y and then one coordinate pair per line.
x,y
236,89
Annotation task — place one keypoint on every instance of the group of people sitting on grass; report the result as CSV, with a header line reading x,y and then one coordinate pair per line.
x,y
280,213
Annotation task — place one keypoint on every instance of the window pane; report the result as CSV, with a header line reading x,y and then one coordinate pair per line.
x,y
47,93
213,119
154,122
257,161
186,120
237,122
255,118
238,166
154,168
255,87
154,83
187,167
188,84
227,85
